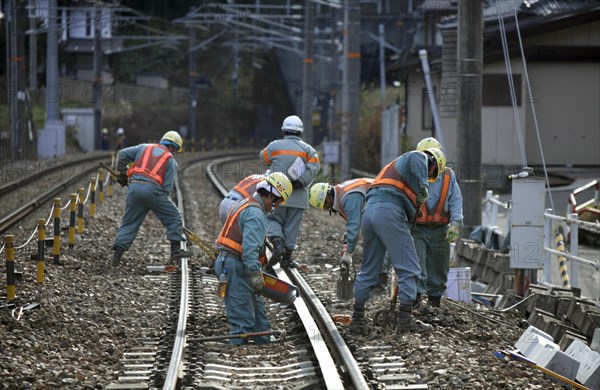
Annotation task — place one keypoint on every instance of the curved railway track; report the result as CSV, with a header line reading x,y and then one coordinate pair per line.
x,y
174,349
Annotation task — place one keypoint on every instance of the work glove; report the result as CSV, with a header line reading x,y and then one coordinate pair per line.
x,y
452,233
422,196
256,281
122,179
296,184
346,260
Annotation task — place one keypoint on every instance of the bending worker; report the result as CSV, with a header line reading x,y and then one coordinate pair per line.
x,y
392,202
151,178
437,226
240,242
347,199
299,162
244,189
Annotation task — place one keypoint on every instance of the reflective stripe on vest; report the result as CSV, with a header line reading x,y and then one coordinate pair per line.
x,y
231,234
296,153
438,217
349,186
151,166
247,187
389,177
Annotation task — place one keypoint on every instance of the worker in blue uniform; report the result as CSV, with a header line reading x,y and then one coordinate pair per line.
x,y
300,163
240,243
348,200
392,203
150,178
437,226
244,189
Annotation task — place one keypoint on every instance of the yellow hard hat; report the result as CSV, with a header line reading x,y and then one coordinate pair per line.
x,y
173,138
427,143
281,183
440,161
318,194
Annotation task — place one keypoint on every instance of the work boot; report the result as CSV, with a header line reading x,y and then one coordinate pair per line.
x,y
177,253
381,284
278,250
434,301
407,323
286,261
117,256
359,322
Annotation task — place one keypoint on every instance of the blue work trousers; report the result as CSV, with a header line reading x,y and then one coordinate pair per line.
x,y
434,256
385,227
141,198
245,310
285,222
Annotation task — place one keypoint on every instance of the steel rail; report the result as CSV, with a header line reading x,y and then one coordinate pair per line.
x,y
15,216
326,328
21,182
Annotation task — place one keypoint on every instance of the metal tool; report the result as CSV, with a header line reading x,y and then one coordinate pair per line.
x,y
345,282
202,243
280,333
109,169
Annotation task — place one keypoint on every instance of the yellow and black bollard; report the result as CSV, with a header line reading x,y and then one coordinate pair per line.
x,y
72,212
39,273
80,211
9,247
56,246
562,261
100,185
110,185
92,196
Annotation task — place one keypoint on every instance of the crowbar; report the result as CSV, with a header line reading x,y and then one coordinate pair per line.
x,y
109,169
280,333
203,244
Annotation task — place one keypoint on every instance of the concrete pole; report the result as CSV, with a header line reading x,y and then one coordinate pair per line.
x,y
382,81
350,83
97,77
52,83
193,75
308,69
13,69
32,48
468,121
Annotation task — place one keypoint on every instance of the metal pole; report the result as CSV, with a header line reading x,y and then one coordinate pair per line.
x,y
193,76
574,250
350,83
308,68
547,244
470,54
431,95
13,81
32,48
97,78
52,98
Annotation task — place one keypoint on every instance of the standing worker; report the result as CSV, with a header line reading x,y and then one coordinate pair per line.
x,y
121,139
436,228
151,178
240,242
244,189
392,202
348,200
104,141
300,163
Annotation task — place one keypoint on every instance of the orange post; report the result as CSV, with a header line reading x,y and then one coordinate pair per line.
x,y
72,212
9,247
56,246
39,273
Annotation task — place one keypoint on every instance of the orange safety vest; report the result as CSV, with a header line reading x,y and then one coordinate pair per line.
x,y
349,186
151,166
389,177
247,187
231,234
439,217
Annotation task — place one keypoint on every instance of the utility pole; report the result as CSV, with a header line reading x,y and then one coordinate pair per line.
x,y
12,31
32,47
193,77
308,69
382,81
468,121
52,99
97,77
350,83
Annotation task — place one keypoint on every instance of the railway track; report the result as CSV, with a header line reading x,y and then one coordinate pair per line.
x,y
155,351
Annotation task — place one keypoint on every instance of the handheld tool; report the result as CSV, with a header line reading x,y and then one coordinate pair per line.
x,y
109,169
345,282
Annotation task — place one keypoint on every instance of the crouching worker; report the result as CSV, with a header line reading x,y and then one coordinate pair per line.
x,y
150,179
240,242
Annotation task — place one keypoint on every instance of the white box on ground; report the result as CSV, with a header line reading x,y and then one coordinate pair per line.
x,y
553,359
589,364
458,286
532,340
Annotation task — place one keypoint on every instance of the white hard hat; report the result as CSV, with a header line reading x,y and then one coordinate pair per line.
x,y
292,123
120,131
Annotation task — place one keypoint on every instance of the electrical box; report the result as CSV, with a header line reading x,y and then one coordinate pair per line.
x,y
527,222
